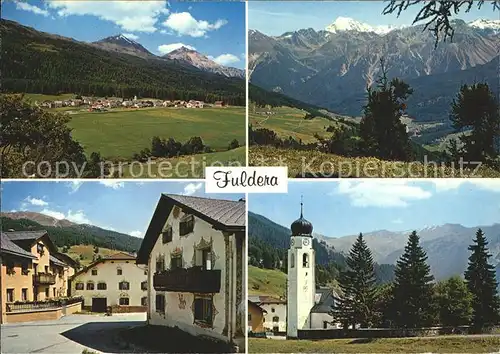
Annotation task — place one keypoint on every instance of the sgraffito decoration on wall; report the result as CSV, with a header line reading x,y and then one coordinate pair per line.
x,y
182,302
176,212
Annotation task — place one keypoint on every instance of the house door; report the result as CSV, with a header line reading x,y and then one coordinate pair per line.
x,y
99,304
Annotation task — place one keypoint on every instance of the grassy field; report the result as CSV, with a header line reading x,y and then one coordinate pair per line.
x,y
192,166
443,344
316,164
269,282
290,122
87,251
121,133
41,97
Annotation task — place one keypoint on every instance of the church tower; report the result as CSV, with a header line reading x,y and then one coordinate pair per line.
x,y
301,284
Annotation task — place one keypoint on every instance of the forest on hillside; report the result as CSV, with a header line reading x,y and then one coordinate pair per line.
x,y
77,235
40,63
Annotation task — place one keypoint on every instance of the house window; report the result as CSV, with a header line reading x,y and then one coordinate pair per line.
x,y
273,309
144,301
145,272
160,264
124,301
24,269
39,248
90,285
276,319
186,225
54,292
46,269
47,294
325,324
94,271
206,258
249,317
160,303
10,268
101,286
119,271
24,294
203,310
124,285
292,261
176,261
79,286
10,295
144,285
166,235
305,260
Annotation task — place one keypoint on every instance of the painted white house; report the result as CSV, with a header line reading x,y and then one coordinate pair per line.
x,y
115,281
195,252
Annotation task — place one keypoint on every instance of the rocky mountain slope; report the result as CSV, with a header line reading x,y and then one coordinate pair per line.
x,y
324,68
446,246
122,44
195,59
39,218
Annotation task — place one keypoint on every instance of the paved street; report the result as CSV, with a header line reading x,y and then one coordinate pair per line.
x,y
70,334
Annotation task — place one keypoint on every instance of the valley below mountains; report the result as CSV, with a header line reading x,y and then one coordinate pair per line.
x,y
332,68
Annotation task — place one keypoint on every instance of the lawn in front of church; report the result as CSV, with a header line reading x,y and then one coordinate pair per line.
x,y
441,344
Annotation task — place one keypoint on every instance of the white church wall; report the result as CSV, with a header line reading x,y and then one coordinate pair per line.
x,y
322,321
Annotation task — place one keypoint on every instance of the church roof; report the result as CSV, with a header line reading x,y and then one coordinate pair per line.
x,y
325,303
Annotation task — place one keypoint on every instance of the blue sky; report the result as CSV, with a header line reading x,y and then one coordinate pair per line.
x,y
216,29
276,17
125,207
348,207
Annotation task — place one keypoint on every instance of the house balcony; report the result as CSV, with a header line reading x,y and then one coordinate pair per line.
x,y
190,280
44,279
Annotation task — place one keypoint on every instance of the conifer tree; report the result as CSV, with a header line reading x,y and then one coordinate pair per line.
x,y
412,304
357,282
480,277
382,133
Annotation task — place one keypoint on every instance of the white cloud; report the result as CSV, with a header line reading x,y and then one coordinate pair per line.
x,y
55,214
112,184
191,188
163,31
488,184
74,186
135,233
397,221
391,193
131,36
167,48
184,24
226,59
133,16
36,201
31,8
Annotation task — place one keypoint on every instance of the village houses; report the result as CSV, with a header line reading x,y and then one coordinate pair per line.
x,y
194,249
114,281
32,270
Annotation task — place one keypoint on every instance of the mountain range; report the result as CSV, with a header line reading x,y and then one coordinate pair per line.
x,y
446,245
66,233
331,68
39,62
185,56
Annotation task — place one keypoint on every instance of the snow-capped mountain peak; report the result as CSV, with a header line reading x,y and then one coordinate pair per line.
x,y
485,24
342,24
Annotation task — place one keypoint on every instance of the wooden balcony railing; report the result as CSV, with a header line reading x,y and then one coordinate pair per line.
x,y
188,280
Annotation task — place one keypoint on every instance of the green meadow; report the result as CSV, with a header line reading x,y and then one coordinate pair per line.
x,y
118,134
288,121
190,166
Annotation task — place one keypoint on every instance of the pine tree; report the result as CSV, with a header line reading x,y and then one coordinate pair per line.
x,y
477,109
358,287
382,133
412,304
480,277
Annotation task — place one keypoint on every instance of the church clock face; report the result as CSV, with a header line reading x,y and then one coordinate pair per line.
x,y
305,242
292,241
